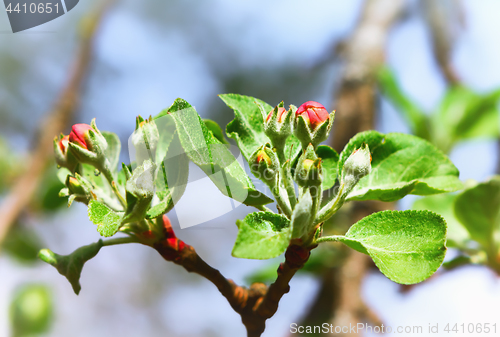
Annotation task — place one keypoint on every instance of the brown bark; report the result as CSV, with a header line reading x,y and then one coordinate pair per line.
x,y
255,304
362,54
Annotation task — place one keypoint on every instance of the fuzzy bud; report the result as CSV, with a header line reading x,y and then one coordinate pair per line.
x,y
278,124
264,165
64,157
145,139
356,167
309,172
312,123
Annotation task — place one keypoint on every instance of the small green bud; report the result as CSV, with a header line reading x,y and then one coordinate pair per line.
x,y
64,157
278,124
264,165
356,167
140,191
78,189
309,172
145,139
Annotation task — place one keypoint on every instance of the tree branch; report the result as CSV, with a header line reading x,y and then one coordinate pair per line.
x,y
255,304
25,187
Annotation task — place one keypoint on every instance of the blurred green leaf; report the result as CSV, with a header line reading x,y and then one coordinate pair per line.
x,y
443,204
401,164
262,235
22,244
31,310
415,117
71,265
407,246
478,209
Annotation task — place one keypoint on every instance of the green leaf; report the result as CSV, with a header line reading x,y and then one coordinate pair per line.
x,y
302,216
416,118
443,204
401,164
113,150
173,174
31,310
262,235
22,244
107,221
247,127
214,158
166,129
329,162
407,246
71,265
478,209
216,130
164,206
463,114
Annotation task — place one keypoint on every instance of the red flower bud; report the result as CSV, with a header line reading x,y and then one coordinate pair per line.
x,y
79,134
262,155
281,112
63,144
313,112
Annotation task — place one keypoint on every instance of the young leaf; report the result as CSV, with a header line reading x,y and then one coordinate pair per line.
x,y
247,127
113,150
329,162
107,221
407,246
401,164
262,235
416,118
216,130
214,158
302,216
164,206
443,204
478,209
71,265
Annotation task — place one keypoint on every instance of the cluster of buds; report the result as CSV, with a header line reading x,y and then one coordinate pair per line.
x,y
312,123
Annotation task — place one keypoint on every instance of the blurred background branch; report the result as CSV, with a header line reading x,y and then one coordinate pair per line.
x,y
53,124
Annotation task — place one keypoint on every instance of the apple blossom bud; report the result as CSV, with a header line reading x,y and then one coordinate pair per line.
x,y
78,189
88,145
356,167
64,157
277,124
80,135
308,172
145,139
281,112
264,165
312,123
314,113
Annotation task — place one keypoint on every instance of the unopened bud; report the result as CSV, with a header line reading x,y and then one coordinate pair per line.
x,y
64,157
312,123
278,124
356,167
309,172
264,165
